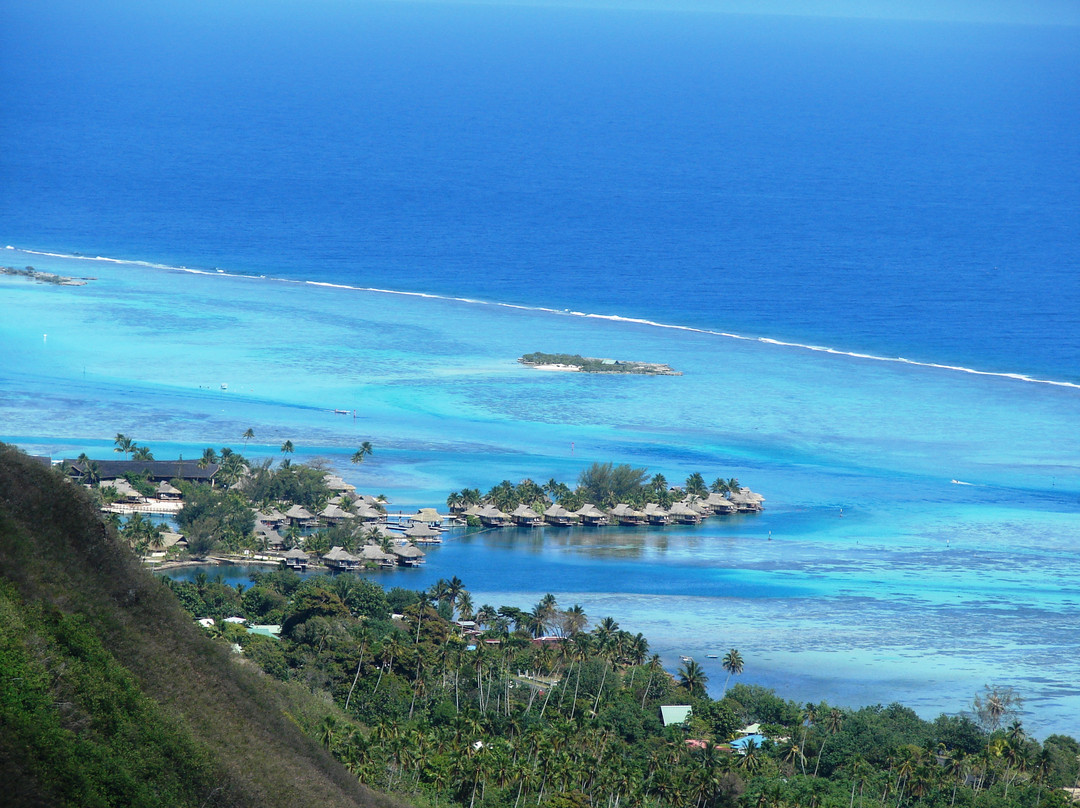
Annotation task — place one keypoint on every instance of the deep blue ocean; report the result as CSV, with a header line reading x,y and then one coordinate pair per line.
x,y
636,184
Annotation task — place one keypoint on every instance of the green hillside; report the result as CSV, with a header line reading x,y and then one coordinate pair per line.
x,y
110,695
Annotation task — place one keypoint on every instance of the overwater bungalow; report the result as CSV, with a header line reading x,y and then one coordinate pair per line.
x,y
623,514
296,559
334,515
423,534
719,504
272,518
428,516
300,516
655,515
341,560
684,514
366,513
373,554
490,516
746,500
408,555
591,516
560,517
524,516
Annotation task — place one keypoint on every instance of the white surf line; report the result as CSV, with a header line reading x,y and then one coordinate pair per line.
x,y
1020,377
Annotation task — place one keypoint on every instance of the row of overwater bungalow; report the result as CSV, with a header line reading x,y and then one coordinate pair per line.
x,y
400,554
689,511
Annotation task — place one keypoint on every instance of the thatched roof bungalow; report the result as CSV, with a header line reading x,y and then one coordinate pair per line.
x,y
373,554
625,515
490,516
296,559
408,555
684,514
340,559
524,516
423,534
656,515
301,516
591,516
166,491
332,514
558,515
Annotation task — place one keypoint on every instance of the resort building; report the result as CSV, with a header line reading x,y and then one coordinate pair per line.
x,y
524,516
155,470
341,560
591,516
560,517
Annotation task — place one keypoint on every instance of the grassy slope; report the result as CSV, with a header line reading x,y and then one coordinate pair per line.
x,y
109,695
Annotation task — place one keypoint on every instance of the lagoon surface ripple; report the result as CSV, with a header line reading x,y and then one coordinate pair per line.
x,y
856,239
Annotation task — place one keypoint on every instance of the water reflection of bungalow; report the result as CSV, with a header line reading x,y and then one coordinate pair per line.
x,y
296,559
656,515
625,515
524,516
341,560
684,514
591,516
559,516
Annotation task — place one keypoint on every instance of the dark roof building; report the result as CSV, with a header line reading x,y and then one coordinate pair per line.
x,y
157,470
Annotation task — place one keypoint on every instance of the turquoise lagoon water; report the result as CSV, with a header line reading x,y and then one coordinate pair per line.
x,y
883,579
551,179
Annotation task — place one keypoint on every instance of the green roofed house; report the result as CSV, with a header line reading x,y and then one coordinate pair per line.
x,y
672,714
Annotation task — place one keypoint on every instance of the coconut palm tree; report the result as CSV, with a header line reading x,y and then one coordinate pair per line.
x,y
733,664
692,677
832,725
695,485
249,433
364,450
142,453
124,444
287,447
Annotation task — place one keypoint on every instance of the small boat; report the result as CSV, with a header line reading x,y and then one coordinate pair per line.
x,y
711,656
686,658
342,412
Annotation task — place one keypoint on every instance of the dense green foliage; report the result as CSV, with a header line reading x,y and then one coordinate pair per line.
x,y
593,365
602,484
111,696
501,719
